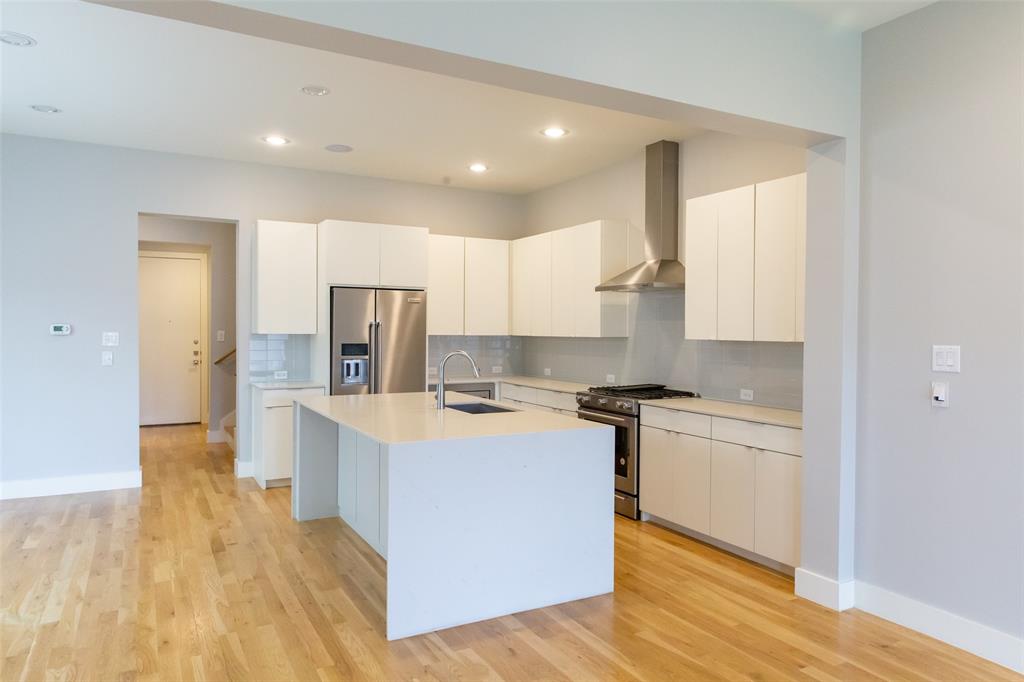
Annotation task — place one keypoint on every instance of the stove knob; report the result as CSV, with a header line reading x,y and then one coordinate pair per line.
x,y
624,405
602,401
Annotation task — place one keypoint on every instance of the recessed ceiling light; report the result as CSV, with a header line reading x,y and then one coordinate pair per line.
x,y
339,148
554,132
45,109
316,90
276,140
16,39
478,167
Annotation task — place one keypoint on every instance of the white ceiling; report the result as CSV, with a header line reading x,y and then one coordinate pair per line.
x,y
133,80
859,15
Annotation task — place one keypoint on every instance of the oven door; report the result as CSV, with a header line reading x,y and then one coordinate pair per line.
x,y
625,446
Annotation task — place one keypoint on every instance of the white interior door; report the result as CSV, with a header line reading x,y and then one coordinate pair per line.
x,y
170,353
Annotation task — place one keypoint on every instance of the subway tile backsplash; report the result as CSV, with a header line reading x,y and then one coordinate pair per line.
x,y
269,353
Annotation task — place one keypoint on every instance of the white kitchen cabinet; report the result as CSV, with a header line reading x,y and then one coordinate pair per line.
x,y
531,286
701,260
272,429
446,285
284,278
781,216
777,506
373,254
736,264
675,481
487,287
403,256
582,257
733,471
362,489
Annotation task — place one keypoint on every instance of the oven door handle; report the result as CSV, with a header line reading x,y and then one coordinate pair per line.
x,y
612,420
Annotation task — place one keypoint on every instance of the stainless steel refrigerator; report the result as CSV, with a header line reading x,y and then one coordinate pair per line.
x,y
378,341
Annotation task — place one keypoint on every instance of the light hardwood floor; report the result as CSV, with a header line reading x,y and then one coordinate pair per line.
x,y
201,576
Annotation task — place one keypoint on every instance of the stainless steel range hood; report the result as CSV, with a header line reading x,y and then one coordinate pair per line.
x,y
662,269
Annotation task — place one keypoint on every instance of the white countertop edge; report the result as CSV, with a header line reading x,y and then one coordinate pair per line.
x,y
284,385
762,414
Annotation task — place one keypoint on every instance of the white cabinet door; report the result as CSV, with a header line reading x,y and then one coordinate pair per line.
x,y
277,442
368,489
604,313
487,287
520,287
658,476
347,481
565,264
403,256
693,475
350,253
701,249
777,507
732,494
446,286
777,259
540,285
736,264
284,278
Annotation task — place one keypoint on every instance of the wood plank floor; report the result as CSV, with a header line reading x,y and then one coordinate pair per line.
x,y
200,576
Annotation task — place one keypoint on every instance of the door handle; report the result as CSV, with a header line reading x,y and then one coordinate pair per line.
x,y
195,362
373,357
377,362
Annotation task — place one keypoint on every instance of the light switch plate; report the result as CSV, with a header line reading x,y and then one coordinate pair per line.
x,y
110,339
281,374
220,334
547,371
746,394
610,378
946,359
107,358
497,369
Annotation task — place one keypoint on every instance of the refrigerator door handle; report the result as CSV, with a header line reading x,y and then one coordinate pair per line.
x,y
377,359
373,358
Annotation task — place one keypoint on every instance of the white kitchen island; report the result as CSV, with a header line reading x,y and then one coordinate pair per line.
x,y
477,515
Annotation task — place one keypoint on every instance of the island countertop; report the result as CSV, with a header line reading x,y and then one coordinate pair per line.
x,y
391,418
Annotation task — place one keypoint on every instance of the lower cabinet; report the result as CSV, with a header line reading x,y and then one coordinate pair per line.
x,y
272,430
743,495
362,487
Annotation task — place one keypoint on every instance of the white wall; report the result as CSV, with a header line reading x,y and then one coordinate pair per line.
x,y
218,239
940,492
70,253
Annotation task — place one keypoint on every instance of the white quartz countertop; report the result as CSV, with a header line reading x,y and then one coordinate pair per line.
x,y
285,385
721,408
411,417
545,383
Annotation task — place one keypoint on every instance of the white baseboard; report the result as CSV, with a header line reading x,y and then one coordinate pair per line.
x,y
825,591
981,640
66,485
217,436
243,469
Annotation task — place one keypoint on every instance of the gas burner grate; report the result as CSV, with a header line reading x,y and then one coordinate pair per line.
x,y
642,392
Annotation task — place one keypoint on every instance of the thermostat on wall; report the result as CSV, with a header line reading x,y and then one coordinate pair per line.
x,y
60,329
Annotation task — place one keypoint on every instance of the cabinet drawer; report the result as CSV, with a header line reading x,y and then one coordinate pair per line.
x,y
521,393
763,436
284,398
675,420
556,399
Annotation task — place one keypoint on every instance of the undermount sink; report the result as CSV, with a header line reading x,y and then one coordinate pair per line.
x,y
479,408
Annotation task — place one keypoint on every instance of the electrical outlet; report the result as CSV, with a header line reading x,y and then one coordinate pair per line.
x,y
496,369
610,378
547,371
220,335
746,394
281,374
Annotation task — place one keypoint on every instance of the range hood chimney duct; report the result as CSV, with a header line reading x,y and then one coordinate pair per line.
x,y
662,269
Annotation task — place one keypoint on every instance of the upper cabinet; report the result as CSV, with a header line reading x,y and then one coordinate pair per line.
x,y
446,285
372,254
745,262
562,302
781,219
487,287
284,278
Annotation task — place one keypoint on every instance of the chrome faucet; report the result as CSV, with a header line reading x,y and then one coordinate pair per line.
x,y
440,373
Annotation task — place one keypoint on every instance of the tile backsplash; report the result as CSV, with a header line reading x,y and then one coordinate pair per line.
x,y
269,353
488,351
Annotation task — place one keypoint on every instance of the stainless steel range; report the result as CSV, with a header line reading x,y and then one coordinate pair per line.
x,y
619,406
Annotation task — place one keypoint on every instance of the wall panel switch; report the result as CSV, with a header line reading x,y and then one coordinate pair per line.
x,y
110,339
547,371
497,369
946,359
746,394
220,334
610,378
107,358
940,394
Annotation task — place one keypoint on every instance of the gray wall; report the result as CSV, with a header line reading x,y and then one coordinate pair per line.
x,y
940,492
656,350
70,254
219,241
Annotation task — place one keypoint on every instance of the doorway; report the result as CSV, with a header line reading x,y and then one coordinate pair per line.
x,y
173,346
